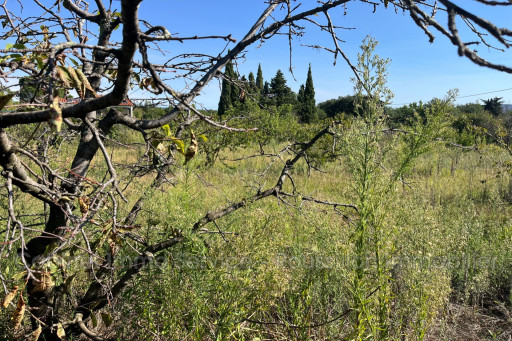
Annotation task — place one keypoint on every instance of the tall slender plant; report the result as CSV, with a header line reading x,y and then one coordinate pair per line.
x,y
377,158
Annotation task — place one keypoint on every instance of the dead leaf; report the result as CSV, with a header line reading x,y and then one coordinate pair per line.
x,y
35,334
19,313
10,296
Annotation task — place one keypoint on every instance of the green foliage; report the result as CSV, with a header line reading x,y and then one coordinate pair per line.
x,y
279,92
259,79
377,162
442,234
230,92
148,112
343,104
30,91
494,105
307,110
402,115
275,125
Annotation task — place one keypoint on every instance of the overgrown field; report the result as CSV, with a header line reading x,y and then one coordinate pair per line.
x,y
434,261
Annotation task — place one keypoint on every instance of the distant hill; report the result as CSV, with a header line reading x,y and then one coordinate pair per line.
x,y
507,107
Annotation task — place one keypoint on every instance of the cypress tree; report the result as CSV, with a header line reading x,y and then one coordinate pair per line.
x,y
300,95
259,79
229,91
243,90
252,83
309,113
235,90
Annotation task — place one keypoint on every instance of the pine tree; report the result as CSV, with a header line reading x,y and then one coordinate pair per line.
x,y
282,94
259,79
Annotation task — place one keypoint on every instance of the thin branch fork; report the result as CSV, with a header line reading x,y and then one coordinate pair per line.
x,y
318,201
111,168
273,191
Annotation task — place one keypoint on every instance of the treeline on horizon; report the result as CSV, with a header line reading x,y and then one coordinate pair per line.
x,y
241,94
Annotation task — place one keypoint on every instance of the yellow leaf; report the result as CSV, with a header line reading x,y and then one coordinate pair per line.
x,y
84,203
167,130
19,275
160,147
179,144
10,296
55,120
61,334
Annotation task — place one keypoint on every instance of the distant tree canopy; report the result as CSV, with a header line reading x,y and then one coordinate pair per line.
x,y
342,104
238,90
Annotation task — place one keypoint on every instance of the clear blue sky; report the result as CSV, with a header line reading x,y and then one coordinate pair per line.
x,y
418,71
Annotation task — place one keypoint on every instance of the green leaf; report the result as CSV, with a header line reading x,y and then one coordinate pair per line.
x,y
40,63
9,46
155,143
94,320
68,282
4,99
203,137
106,318
19,275
73,61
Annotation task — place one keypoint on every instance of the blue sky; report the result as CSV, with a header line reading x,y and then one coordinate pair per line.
x,y
418,71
